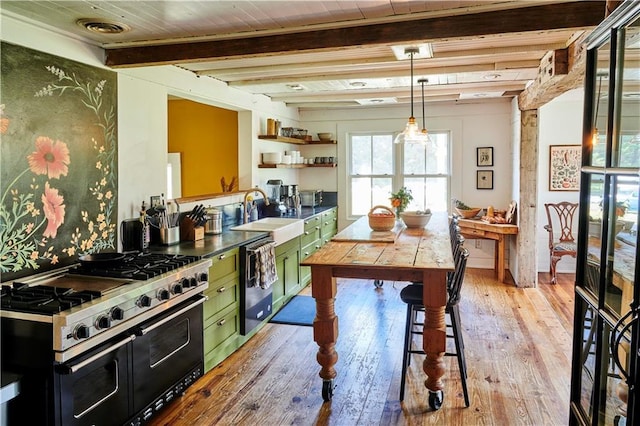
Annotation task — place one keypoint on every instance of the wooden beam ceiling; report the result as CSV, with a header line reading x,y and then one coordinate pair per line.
x,y
526,19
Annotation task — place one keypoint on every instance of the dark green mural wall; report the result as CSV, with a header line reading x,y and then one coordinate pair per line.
x,y
58,164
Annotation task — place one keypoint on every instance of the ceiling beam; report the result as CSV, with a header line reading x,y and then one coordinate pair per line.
x,y
534,18
550,85
358,75
222,67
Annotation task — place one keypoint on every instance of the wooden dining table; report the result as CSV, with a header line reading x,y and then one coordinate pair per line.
x,y
402,254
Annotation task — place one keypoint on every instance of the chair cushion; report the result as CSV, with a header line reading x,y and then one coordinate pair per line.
x,y
565,247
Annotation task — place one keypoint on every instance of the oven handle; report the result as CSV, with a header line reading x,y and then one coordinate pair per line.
x,y
70,369
144,330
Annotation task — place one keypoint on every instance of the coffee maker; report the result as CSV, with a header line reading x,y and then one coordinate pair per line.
x,y
276,205
291,196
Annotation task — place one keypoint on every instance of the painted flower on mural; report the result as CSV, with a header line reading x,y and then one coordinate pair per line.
x,y
53,210
50,158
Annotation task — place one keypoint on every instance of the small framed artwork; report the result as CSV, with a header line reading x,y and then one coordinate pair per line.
x,y
484,179
564,167
484,156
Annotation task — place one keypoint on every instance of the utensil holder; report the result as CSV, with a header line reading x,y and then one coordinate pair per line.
x,y
189,231
170,236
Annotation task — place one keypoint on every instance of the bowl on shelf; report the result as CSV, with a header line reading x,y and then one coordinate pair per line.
x,y
271,157
468,213
415,219
325,137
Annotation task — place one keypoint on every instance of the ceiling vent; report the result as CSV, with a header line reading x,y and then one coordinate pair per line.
x,y
100,26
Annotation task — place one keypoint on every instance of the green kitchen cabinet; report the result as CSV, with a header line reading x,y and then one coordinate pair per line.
x,y
329,224
310,241
222,309
288,267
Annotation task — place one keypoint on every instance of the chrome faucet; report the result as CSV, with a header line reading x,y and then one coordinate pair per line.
x,y
244,203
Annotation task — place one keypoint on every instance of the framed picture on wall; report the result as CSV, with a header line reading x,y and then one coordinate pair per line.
x,y
484,179
484,156
564,167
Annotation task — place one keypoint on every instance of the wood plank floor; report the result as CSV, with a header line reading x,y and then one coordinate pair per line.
x,y
517,346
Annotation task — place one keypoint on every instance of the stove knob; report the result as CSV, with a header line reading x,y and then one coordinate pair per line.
x,y
117,314
177,288
193,282
184,282
163,294
103,322
81,332
144,301
204,277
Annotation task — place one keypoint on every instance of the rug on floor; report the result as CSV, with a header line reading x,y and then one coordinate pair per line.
x,y
300,310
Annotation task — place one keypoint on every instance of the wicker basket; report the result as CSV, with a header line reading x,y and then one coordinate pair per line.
x,y
382,221
468,213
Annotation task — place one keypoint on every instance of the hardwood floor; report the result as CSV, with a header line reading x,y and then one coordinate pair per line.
x,y
517,346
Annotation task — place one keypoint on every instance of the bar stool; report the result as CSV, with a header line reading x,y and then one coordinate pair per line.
x,y
412,296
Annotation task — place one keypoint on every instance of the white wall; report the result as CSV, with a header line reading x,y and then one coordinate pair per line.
x,y
560,123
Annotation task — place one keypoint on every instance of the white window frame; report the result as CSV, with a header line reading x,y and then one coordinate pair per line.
x,y
397,177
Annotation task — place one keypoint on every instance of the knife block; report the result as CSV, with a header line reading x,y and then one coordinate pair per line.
x,y
189,231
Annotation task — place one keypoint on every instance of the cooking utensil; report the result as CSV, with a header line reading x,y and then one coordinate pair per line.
x,y
102,259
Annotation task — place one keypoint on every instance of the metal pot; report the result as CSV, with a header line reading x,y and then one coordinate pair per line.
x,y
213,225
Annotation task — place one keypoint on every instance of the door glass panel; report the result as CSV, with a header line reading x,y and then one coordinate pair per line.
x,y
587,357
594,245
628,101
601,99
622,246
613,399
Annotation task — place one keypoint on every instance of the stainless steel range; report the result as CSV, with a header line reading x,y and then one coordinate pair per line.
x,y
104,342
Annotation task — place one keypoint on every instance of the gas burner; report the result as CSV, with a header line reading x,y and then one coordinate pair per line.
x,y
137,266
43,299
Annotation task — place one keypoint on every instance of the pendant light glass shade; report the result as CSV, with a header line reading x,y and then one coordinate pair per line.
x,y
411,132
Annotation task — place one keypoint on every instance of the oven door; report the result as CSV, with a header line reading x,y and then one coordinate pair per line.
x,y
168,356
95,386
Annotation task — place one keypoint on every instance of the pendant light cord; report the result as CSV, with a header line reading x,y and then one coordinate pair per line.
x,y
411,53
424,124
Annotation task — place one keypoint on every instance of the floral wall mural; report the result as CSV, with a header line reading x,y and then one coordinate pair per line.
x,y
58,168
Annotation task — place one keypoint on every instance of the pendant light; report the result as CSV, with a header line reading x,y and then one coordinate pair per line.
x,y
423,133
411,131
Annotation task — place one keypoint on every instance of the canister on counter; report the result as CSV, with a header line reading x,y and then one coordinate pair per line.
x,y
213,225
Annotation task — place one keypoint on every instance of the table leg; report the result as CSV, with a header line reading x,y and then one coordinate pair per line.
x,y
500,248
325,326
434,333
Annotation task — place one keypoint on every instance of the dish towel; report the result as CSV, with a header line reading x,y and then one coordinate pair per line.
x,y
266,265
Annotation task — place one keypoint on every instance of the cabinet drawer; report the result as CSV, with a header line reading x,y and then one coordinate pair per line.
x,y
221,294
309,249
222,328
224,265
312,222
309,237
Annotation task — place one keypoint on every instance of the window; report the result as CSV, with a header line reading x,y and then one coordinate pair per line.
x,y
379,167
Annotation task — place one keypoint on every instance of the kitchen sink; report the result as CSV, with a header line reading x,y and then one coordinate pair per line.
x,y
281,229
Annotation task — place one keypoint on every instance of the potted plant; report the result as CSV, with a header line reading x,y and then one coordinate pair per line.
x,y
400,200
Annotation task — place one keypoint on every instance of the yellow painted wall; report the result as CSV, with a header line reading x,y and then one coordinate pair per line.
x,y
207,139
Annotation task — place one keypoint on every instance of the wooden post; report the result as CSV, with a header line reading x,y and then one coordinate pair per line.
x,y
527,207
